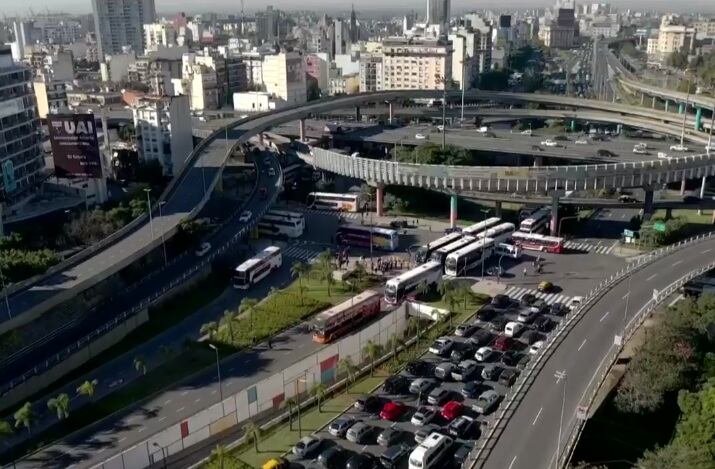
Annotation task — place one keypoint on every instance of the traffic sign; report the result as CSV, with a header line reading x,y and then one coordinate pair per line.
x,y
659,226
629,233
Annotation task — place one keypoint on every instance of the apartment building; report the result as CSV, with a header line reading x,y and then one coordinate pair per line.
x,y
416,63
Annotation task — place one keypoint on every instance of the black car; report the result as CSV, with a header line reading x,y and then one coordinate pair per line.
x,y
558,309
362,461
368,403
531,337
473,389
462,351
396,384
461,427
394,455
511,357
332,457
541,305
486,312
481,337
523,361
498,323
603,152
542,323
418,368
528,299
500,301
691,199
508,377
461,455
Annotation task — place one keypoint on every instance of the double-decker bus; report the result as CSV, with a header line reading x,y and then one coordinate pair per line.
x,y
440,255
335,322
256,268
477,228
499,233
397,287
334,201
281,225
298,217
465,259
424,252
538,242
537,221
358,235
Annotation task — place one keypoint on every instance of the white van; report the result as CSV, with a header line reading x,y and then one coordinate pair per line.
x,y
430,452
513,328
508,250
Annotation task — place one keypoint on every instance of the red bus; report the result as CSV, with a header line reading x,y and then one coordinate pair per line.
x,y
335,322
538,242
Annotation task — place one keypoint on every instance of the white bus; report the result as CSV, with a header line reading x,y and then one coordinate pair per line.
x,y
440,255
430,452
277,225
257,267
334,201
424,252
499,233
508,250
299,217
396,288
469,257
538,221
481,226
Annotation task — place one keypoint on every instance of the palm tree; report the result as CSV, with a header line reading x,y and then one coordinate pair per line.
x,y
5,430
325,260
422,288
443,287
221,456
139,365
413,324
360,273
248,305
395,343
329,279
346,365
372,350
319,391
290,403
87,388
61,405
227,320
301,290
252,433
24,417
464,293
300,269
210,329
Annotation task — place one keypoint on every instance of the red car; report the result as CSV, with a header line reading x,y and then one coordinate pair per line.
x,y
503,343
392,410
452,410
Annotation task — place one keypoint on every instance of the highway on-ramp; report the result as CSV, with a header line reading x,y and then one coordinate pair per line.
x,y
529,438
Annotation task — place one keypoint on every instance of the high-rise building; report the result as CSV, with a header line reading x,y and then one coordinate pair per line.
x,y
438,12
370,72
121,23
21,159
354,31
342,37
416,64
284,77
158,35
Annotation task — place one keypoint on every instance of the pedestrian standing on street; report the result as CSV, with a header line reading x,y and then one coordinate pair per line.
x,y
524,271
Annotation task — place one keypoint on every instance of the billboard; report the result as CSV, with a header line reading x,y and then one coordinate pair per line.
x,y
75,147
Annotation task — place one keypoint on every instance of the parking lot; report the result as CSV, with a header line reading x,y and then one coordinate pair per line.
x,y
493,360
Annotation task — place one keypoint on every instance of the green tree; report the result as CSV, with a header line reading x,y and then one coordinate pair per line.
x,y
252,434
248,306
300,269
423,289
290,403
346,365
210,329
6,430
678,59
327,277
464,293
227,321
319,391
373,351
24,417
222,458
87,388
61,405
140,365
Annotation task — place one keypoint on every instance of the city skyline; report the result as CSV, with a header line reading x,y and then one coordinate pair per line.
x,y
229,6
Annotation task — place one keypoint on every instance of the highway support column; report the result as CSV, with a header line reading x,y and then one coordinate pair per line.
x,y
453,210
702,192
379,198
358,115
497,208
301,130
682,186
698,118
648,204
554,215
538,161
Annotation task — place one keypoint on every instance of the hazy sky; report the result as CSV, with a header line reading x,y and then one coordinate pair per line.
x,y
10,7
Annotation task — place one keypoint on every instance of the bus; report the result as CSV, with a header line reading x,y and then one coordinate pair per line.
x,y
397,287
335,322
499,233
463,260
538,242
423,253
508,250
537,222
298,217
440,255
431,452
481,226
277,225
256,268
358,235
334,201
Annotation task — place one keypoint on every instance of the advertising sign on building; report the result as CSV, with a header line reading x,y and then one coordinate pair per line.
x,y
75,147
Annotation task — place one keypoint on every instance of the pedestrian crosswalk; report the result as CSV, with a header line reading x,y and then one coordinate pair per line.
x,y
301,253
331,213
590,247
550,298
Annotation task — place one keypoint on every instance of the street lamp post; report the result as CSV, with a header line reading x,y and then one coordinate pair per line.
x,y
485,211
625,311
7,302
148,208
163,454
499,267
560,375
163,242
685,114
218,373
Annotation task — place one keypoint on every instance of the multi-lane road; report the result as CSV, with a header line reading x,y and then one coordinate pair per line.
x,y
529,439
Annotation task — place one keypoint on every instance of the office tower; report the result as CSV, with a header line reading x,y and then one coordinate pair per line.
x,y
121,23
354,32
438,12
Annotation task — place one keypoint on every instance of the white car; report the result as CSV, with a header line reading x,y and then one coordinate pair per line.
x,y
679,147
575,302
526,132
640,151
203,249
423,416
420,136
305,446
550,143
581,142
483,129
483,354
534,349
245,216
440,127
663,155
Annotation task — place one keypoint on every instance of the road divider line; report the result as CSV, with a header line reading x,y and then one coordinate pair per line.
x,y
651,277
604,316
706,251
626,295
184,393
162,419
180,409
512,462
121,439
167,402
581,346
537,416
141,429
677,262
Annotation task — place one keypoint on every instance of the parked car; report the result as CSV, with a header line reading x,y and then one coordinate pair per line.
x,y
500,301
473,389
461,455
464,370
306,446
491,372
483,354
575,302
422,433
392,411
536,347
393,456
423,416
420,136
462,351
438,396
486,313
368,403
531,337
276,463
465,330
245,216
486,402
332,457
203,248
679,147
526,315
541,305
498,324
542,323
503,343
442,346
422,385
451,410
339,426
396,384
510,357
419,368
358,432
523,361
528,299
389,436
513,329
362,461
480,337
545,286
558,309
507,377
461,427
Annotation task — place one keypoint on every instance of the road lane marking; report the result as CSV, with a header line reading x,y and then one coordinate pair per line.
x,y
677,298
677,262
162,419
706,251
167,402
180,409
604,316
651,277
122,439
581,346
537,416
213,392
184,393
141,429
512,462
198,399
626,295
